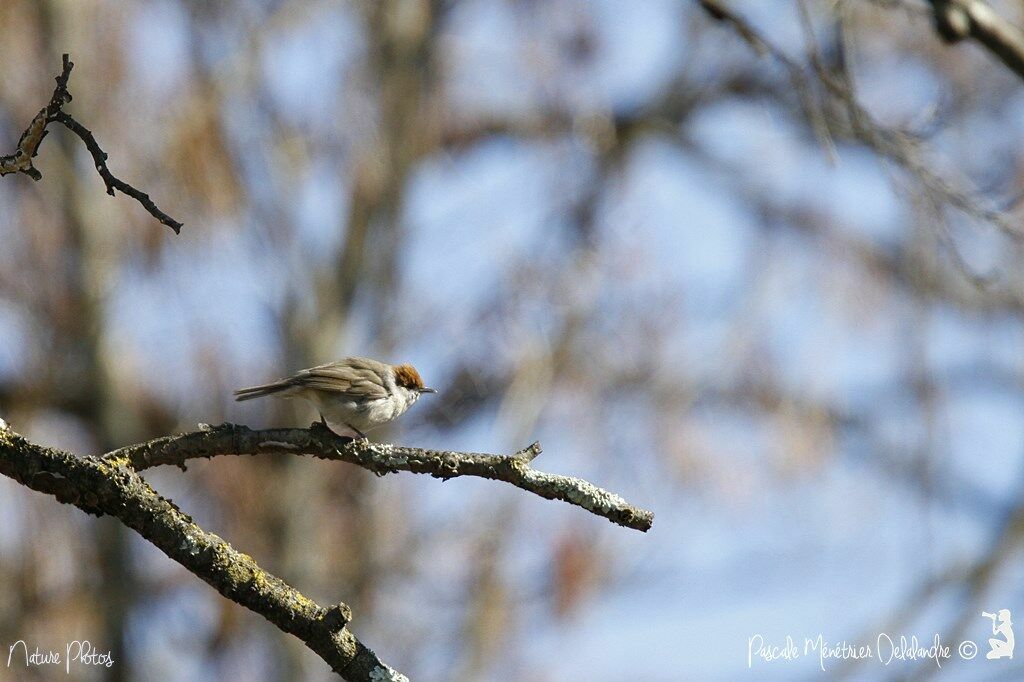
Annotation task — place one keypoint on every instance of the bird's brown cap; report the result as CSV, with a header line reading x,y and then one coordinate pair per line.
x,y
408,377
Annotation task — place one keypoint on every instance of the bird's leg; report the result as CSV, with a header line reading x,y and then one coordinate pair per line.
x,y
357,431
323,421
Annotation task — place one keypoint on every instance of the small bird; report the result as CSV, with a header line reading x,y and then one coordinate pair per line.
x,y
353,395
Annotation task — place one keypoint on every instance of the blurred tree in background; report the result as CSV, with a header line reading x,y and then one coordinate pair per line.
x,y
759,271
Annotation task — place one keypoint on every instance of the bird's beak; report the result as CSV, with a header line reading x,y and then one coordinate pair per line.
x,y
428,390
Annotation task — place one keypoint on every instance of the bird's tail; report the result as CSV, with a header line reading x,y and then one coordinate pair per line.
x,y
262,390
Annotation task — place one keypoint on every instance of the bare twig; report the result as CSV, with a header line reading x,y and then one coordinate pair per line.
x,y
384,458
28,146
956,20
100,486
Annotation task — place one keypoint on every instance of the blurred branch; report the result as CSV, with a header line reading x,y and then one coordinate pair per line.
x,y
101,486
895,145
956,20
28,146
381,459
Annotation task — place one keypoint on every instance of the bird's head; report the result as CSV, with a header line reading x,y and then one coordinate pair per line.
x,y
408,378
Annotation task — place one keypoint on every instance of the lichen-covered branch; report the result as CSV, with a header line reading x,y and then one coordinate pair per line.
x,y
384,458
28,146
105,486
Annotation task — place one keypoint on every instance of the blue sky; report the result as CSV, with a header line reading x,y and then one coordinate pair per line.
x,y
757,530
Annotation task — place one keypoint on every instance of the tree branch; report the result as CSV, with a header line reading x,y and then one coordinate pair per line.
x,y
28,146
112,485
382,459
956,20
102,486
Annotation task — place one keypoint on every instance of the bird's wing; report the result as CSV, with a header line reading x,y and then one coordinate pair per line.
x,y
354,376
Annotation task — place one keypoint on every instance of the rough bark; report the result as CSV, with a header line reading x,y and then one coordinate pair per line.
x,y
109,486
384,458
